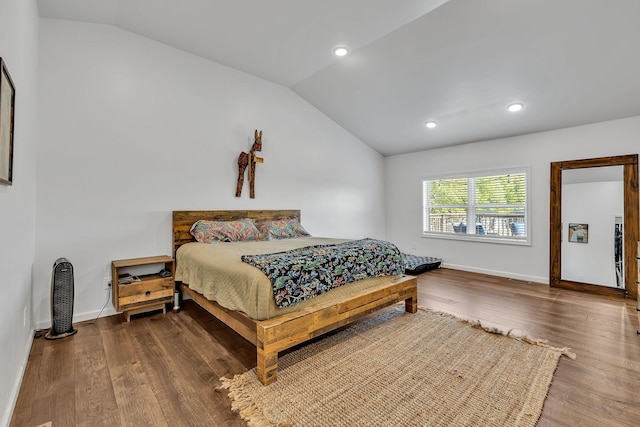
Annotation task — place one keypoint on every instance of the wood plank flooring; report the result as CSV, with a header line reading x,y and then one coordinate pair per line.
x,y
164,370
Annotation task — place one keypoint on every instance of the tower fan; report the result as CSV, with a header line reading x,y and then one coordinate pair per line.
x,y
61,300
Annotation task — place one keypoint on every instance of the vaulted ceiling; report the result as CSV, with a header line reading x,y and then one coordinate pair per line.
x,y
457,62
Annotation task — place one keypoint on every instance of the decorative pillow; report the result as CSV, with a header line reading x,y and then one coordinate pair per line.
x,y
285,228
225,231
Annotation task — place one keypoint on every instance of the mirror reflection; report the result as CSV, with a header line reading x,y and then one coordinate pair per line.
x,y
592,226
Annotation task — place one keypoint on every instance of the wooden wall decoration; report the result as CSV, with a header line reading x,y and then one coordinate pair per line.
x,y
249,159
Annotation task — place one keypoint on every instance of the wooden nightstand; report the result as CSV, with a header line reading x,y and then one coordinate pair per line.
x,y
151,292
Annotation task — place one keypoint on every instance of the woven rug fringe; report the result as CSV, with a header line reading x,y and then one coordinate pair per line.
x,y
241,402
511,333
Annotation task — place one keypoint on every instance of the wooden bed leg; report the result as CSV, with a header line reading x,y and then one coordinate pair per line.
x,y
267,366
411,304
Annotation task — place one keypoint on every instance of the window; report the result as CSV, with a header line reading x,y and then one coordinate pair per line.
x,y
495,202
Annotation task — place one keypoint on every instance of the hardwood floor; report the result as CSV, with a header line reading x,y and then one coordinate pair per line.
x,y
163,370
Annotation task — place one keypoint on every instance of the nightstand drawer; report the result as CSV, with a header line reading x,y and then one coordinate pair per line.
x,y
144,286
145,296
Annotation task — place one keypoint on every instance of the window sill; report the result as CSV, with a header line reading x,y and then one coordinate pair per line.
x,y
478,238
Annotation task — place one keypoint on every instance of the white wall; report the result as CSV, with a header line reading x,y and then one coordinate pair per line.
x,y
404,192
18,48
131,129
596,204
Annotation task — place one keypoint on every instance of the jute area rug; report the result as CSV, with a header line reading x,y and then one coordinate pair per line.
x,y
401,369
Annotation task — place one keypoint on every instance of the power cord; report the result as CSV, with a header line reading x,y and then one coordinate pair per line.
x,y
105,303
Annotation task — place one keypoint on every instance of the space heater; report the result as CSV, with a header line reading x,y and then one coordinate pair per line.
x,y
61,300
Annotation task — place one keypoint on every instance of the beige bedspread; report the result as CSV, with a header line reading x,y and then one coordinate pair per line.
x,y
217,272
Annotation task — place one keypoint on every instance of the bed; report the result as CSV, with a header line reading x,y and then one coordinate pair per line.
x,y
274,332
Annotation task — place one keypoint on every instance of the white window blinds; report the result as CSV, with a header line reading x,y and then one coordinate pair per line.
x,y
494,203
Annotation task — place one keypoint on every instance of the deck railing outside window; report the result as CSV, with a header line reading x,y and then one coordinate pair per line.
x,y
487,224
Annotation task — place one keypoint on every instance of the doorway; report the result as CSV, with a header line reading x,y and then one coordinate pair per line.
x,y
630,220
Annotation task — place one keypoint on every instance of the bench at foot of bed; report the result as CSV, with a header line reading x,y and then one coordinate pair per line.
x,y
283,332
274,335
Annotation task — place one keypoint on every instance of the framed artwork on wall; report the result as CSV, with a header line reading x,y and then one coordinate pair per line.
x,y
7,110
579,233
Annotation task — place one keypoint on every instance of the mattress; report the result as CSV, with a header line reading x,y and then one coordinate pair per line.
x,y
217,272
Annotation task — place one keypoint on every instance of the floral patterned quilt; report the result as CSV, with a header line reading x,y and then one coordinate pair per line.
x,y
303,273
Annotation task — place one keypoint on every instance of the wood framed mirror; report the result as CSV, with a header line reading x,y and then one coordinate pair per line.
x,y
630,231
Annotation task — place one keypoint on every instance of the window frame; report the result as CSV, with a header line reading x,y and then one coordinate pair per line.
x,y
471,206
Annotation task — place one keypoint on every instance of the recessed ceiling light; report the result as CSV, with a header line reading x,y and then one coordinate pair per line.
x,y
341,51
431,124
516,106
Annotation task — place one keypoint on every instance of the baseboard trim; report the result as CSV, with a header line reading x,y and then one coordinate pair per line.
x,y
81,317
522,277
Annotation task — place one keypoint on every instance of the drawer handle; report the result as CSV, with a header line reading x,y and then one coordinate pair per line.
x,y
147,293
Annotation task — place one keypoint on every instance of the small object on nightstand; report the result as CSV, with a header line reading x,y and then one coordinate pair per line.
x,y
125,281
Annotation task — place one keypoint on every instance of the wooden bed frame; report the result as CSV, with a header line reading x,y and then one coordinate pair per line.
x,y
285,331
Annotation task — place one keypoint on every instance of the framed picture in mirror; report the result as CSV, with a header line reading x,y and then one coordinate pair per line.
x,y
579,233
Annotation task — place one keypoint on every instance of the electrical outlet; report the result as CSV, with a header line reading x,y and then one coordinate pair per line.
x,y
106,281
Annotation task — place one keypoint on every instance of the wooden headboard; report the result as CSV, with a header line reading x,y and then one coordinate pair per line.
x,y
183,220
